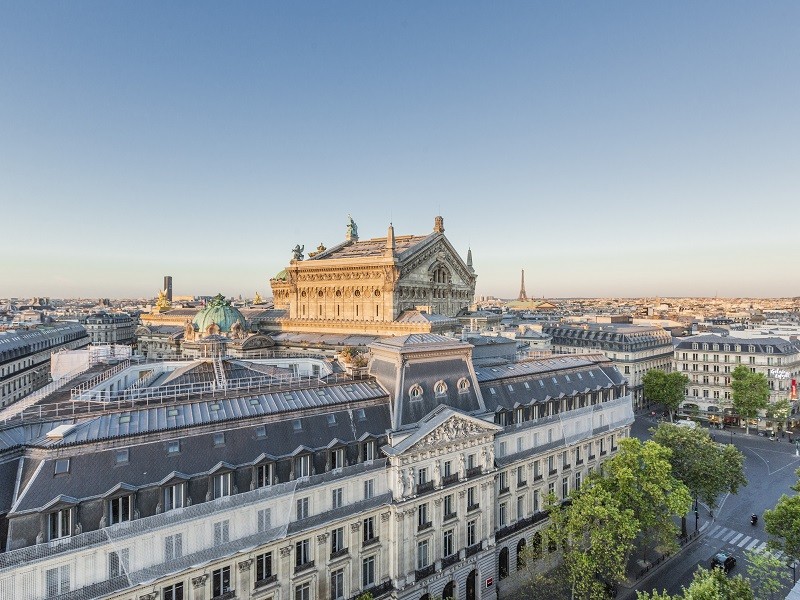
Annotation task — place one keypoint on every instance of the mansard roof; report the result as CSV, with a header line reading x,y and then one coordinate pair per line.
x,y
773,345
534,382
374,247
149,463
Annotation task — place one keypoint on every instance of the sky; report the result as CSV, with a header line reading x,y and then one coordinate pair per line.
x,y
606,148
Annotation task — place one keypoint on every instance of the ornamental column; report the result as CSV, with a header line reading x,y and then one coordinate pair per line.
x,y
199,587
243,585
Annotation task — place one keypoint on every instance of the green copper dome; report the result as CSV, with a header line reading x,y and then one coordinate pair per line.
x,y
219,312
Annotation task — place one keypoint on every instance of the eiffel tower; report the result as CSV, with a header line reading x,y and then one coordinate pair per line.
x,y
522,295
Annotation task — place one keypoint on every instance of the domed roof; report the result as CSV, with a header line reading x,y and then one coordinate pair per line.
x,y
219,312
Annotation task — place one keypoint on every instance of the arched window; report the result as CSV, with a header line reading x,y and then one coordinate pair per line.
x,y
521,554
449,592
463,385
440,389
503,570
415,392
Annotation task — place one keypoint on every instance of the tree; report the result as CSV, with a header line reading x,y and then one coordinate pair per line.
x,y
708,469
596,534
765,571
750,393
665,388
640,477
707,585
780,411
783,524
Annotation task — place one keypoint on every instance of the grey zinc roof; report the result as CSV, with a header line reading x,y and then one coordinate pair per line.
x,y
566,361
778,345
507,394
150,463
170,416
416,340
371,247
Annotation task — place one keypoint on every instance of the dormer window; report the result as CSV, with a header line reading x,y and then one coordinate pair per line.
x,y
302,466
369,450
415,393
222,485
120,510
60,524
61,466
440,389
263,475
337,458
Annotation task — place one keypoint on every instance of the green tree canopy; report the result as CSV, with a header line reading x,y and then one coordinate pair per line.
x,y
750,393
597,535
666,388
707,585
640,477
783,524
766,573
708,469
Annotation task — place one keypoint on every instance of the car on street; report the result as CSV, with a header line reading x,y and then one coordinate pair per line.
x,y
724,561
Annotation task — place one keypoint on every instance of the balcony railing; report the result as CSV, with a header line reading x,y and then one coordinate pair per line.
x,y
424,572
375,592
340,553
425,487
266,581
371,541
553,471
449,516
304,567
474,472
450,560
225,596
472,550
537,477
603,452
504,490
566,467
579,461
425,525
472,507
450,479
521,524
592,457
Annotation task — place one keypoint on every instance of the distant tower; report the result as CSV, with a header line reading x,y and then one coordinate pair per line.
x,y
168,287
522,295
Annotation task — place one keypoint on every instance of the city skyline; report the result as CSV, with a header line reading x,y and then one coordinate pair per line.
x,y
620,150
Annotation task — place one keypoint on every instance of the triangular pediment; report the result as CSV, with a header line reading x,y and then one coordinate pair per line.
x,y
444,426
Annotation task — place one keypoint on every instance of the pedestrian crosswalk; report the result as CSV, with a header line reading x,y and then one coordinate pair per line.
x,y
737,539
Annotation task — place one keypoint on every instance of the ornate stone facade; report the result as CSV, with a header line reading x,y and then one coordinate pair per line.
x,y
377,286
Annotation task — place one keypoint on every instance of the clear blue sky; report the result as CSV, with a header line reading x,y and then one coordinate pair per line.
x,y
608,148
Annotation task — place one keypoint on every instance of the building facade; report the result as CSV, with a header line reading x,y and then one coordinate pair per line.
x,y
634,349
110,328
424,479
382,286
709,360
25,356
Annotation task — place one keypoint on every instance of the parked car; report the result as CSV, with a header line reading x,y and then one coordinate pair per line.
x,y
724,561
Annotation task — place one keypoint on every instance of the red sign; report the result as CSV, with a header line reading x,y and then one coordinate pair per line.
x,y
794,389
489,581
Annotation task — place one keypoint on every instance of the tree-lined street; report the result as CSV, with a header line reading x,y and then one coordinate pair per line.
x,y
769,467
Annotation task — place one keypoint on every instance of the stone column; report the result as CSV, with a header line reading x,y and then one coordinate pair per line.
x,y
199,587
243,584
384,570
322,555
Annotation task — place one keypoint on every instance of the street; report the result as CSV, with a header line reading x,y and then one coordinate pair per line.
x,y
769,467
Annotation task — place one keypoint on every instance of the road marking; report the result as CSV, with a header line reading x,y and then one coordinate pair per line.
x,y
744,541
753,543
704,526
728,536
760,547
736,539
714,531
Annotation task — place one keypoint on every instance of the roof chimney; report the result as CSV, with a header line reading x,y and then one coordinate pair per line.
x,y
438,225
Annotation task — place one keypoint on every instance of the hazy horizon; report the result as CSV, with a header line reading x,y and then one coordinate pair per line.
x,y
620,149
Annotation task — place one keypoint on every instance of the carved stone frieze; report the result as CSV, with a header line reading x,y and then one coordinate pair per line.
x,y
322,538
200,581
244,565
286,551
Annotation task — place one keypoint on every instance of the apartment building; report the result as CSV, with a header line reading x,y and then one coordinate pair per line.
x,y
709,360
425,479
633,349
